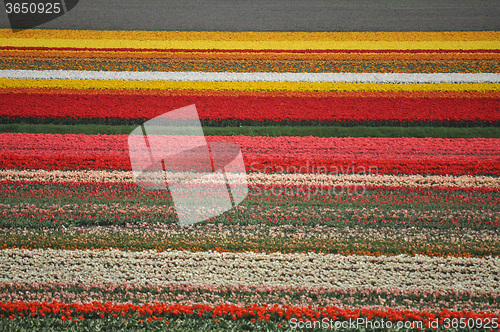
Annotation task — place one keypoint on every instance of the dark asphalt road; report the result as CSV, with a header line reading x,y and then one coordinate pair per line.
x,y
278,15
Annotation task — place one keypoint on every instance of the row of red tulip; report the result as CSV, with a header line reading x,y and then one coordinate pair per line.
x,y
270,154
251,312
264,108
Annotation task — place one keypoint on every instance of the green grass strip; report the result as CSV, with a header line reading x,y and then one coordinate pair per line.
x,y
274,131
236,123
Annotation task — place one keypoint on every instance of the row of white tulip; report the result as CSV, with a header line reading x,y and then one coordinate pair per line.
x,y
248,268
463,181
393,78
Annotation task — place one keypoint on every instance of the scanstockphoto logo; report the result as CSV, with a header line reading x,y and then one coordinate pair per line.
x,y
26,14
205,179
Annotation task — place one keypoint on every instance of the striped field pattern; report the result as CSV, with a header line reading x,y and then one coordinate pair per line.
x,y
401,228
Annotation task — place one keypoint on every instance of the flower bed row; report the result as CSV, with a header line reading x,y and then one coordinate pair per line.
x,y
104,214
284,317
8,83
436,166
189,294
88,204
282,181
249,268
270,154
471,57
253,62
255,41
252,108
346,238
103,193
254,77
127,192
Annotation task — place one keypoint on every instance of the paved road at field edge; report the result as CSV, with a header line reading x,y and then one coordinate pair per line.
x,y
278,15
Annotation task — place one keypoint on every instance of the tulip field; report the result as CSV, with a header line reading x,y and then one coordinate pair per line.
x,y
373,169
